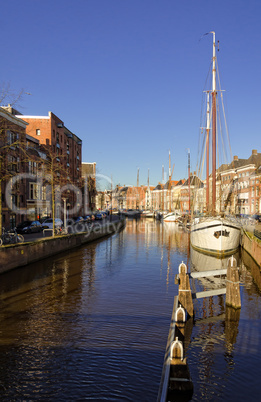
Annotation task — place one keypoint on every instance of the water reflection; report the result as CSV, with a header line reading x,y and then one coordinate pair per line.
x,y
225,340
93,323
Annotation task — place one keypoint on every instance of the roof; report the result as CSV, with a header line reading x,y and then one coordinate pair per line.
x,y
194,181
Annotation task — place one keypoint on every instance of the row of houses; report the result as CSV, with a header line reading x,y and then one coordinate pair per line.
x,y
238,191
42,174
41,169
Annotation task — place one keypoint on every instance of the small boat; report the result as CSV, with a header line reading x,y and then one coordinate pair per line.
x,y
132,213
214,234
171,217
148,214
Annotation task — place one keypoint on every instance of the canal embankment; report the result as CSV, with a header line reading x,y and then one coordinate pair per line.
x,y
21,254
251,243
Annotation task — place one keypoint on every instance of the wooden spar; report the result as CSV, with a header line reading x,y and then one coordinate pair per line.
x,y
207,161
170,178
214,126
169,183
189,177
213,152
162,198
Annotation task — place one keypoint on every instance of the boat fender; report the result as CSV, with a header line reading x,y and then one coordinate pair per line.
x,y
176,351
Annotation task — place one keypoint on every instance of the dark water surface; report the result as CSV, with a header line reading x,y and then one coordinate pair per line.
x,y
92,324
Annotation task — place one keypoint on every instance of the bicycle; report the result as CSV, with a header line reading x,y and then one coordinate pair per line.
x,y
15,237
5,238
60,231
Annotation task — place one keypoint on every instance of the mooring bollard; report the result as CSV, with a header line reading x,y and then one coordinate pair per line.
x,y
185,296
233,289
176,351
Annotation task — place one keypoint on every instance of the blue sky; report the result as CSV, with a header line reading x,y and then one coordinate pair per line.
x,y
127,76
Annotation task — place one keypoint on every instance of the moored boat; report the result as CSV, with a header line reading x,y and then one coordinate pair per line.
x,y
171,217
214,234
132,213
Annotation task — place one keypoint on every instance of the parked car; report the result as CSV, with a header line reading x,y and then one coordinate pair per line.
x,y
48,223
29,227
98,216
257,217
78,219
87,218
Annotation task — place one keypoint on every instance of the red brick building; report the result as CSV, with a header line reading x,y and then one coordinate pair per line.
x,y
12,156
66,148
50,130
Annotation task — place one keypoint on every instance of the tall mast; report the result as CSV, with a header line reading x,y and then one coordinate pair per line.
x,y
169,183
169,167
207,161
214,125
163,174
189,178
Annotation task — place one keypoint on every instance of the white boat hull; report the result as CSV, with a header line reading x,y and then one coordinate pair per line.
x,y
171,217
215,236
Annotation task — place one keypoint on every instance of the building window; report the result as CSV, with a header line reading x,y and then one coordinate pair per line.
x,y
12,163
11,137
34,191
34,167
38,131
44,193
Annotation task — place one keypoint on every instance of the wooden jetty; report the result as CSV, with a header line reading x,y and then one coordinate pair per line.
x,y
176,383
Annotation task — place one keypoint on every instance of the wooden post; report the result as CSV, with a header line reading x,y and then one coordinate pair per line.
x,y
231,324
233,289
185,296
180,319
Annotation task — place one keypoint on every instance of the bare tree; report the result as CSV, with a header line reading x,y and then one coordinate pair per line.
x,y
12,151
12,138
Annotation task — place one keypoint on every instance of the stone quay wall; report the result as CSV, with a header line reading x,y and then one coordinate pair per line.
x,y
17,255
252,247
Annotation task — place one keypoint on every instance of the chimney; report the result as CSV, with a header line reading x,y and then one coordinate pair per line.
x,y
254,152
235,158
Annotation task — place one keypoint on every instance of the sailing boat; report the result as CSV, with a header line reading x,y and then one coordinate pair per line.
x,y
213,234
170,216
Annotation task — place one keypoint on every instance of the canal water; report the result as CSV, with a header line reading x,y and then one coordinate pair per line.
x,y
92,324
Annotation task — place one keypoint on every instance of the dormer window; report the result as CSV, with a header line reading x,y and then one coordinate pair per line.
x,y
38,131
